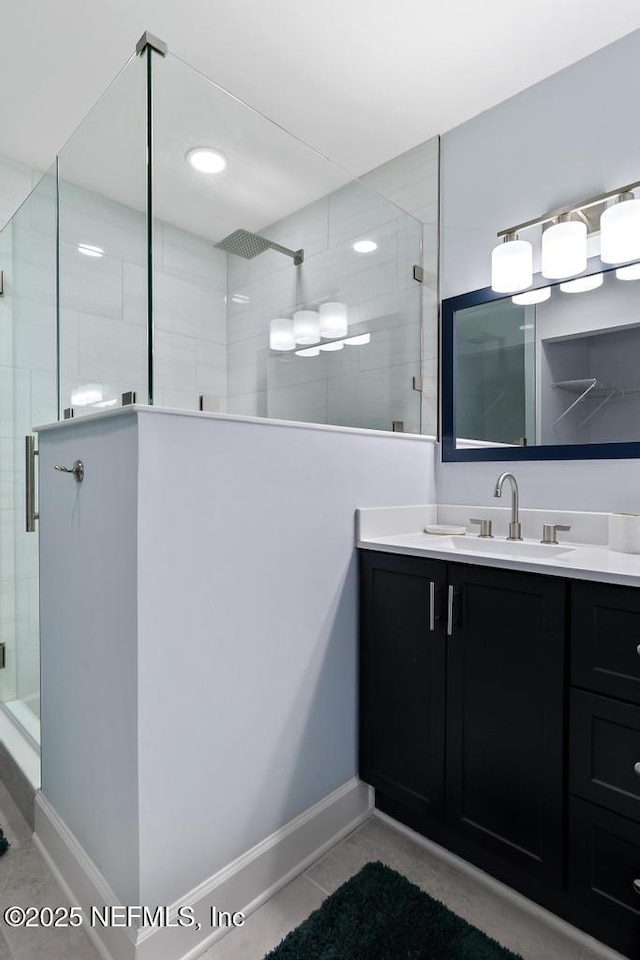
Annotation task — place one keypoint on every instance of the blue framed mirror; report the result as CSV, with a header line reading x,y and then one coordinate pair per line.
x,y
548,380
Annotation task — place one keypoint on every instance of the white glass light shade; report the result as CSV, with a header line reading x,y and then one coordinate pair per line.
x,y
511,266
333,319
281,334
564,249
532,296
336,345
306,327
359,340
628,273
309,352
620,232
582,284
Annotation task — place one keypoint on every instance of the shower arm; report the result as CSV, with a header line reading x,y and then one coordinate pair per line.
x,y
296,255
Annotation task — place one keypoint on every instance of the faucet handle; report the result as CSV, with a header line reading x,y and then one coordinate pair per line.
x,y
485,528
550,531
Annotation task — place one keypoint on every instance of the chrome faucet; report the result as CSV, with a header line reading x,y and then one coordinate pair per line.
x,y
515,527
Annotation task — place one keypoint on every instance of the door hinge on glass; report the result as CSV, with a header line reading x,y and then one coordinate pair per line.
x,y
418,273
3,656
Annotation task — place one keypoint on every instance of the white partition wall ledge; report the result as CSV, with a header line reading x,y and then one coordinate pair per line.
x,y
199,653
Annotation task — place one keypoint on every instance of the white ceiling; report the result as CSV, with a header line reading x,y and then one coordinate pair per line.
x,y
359,80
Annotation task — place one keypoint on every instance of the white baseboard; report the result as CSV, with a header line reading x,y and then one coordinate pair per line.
x,y
501,890
243,885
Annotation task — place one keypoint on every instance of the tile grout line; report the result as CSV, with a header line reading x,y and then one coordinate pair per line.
x,y
316,884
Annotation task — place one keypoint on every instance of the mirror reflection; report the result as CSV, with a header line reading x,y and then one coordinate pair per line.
x,y
564,371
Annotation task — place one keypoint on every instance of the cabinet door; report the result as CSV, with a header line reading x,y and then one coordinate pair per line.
x,y
605,639
402,680
505,718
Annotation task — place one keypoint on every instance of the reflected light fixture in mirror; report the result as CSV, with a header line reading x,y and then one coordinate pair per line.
x,y
564,249
511,265
620,230
333,319
532,296
582,284
335,345
365,246
309,352
358,341
206,160
306,327
281,334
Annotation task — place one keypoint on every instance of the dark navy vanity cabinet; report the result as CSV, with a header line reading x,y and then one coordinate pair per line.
x,y
500,717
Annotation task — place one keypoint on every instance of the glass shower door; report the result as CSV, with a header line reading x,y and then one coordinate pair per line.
x,y
28,390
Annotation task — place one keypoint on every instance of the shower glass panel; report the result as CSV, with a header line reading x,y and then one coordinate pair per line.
x,y
102,182
28,390
227,264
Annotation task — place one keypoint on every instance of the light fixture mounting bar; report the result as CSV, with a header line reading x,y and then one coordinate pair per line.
x,y
569,208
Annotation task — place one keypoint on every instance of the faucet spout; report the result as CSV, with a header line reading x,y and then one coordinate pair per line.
x,y
515,527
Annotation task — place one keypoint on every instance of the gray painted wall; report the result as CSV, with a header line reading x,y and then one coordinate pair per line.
x,y
568,137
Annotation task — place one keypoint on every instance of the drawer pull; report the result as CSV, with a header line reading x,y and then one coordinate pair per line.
x,y
636,768
636,886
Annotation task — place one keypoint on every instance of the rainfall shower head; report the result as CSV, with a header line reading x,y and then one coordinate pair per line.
x,y
249,245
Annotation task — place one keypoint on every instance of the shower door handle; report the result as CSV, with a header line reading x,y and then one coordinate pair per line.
x,y
30,454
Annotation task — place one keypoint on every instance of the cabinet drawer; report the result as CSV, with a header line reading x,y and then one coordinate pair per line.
x,y
605,749
604,867
605,639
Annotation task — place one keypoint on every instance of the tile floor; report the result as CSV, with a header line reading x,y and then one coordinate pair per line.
x,y
25,879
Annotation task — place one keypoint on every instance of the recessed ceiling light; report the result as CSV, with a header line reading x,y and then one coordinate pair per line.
x,y
206,160
365,246
89,250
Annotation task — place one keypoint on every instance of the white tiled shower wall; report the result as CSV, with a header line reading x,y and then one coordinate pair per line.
x,y
367,386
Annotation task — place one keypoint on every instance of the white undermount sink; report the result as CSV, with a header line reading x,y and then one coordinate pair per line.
x,y
506,548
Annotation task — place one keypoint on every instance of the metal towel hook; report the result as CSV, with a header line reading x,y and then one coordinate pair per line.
x,y
77,470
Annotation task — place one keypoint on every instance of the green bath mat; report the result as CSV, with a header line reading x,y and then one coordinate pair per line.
x,y
4,843
380,915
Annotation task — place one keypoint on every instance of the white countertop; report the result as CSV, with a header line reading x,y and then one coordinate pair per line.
x,y
572,560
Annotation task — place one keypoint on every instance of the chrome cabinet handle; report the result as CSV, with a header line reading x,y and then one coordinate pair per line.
x,y
450,611
432,605
636,886
77,470
30,483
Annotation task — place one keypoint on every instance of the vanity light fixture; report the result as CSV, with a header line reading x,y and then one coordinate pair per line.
x,y
309,352
206,160
332,345
89,250
511,265
564,239
582,284
564,248
365,246
532,296
281,334
358,341
306,327
628,273
620,230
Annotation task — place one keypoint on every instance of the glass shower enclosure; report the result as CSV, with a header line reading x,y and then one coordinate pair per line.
x,y
279,286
